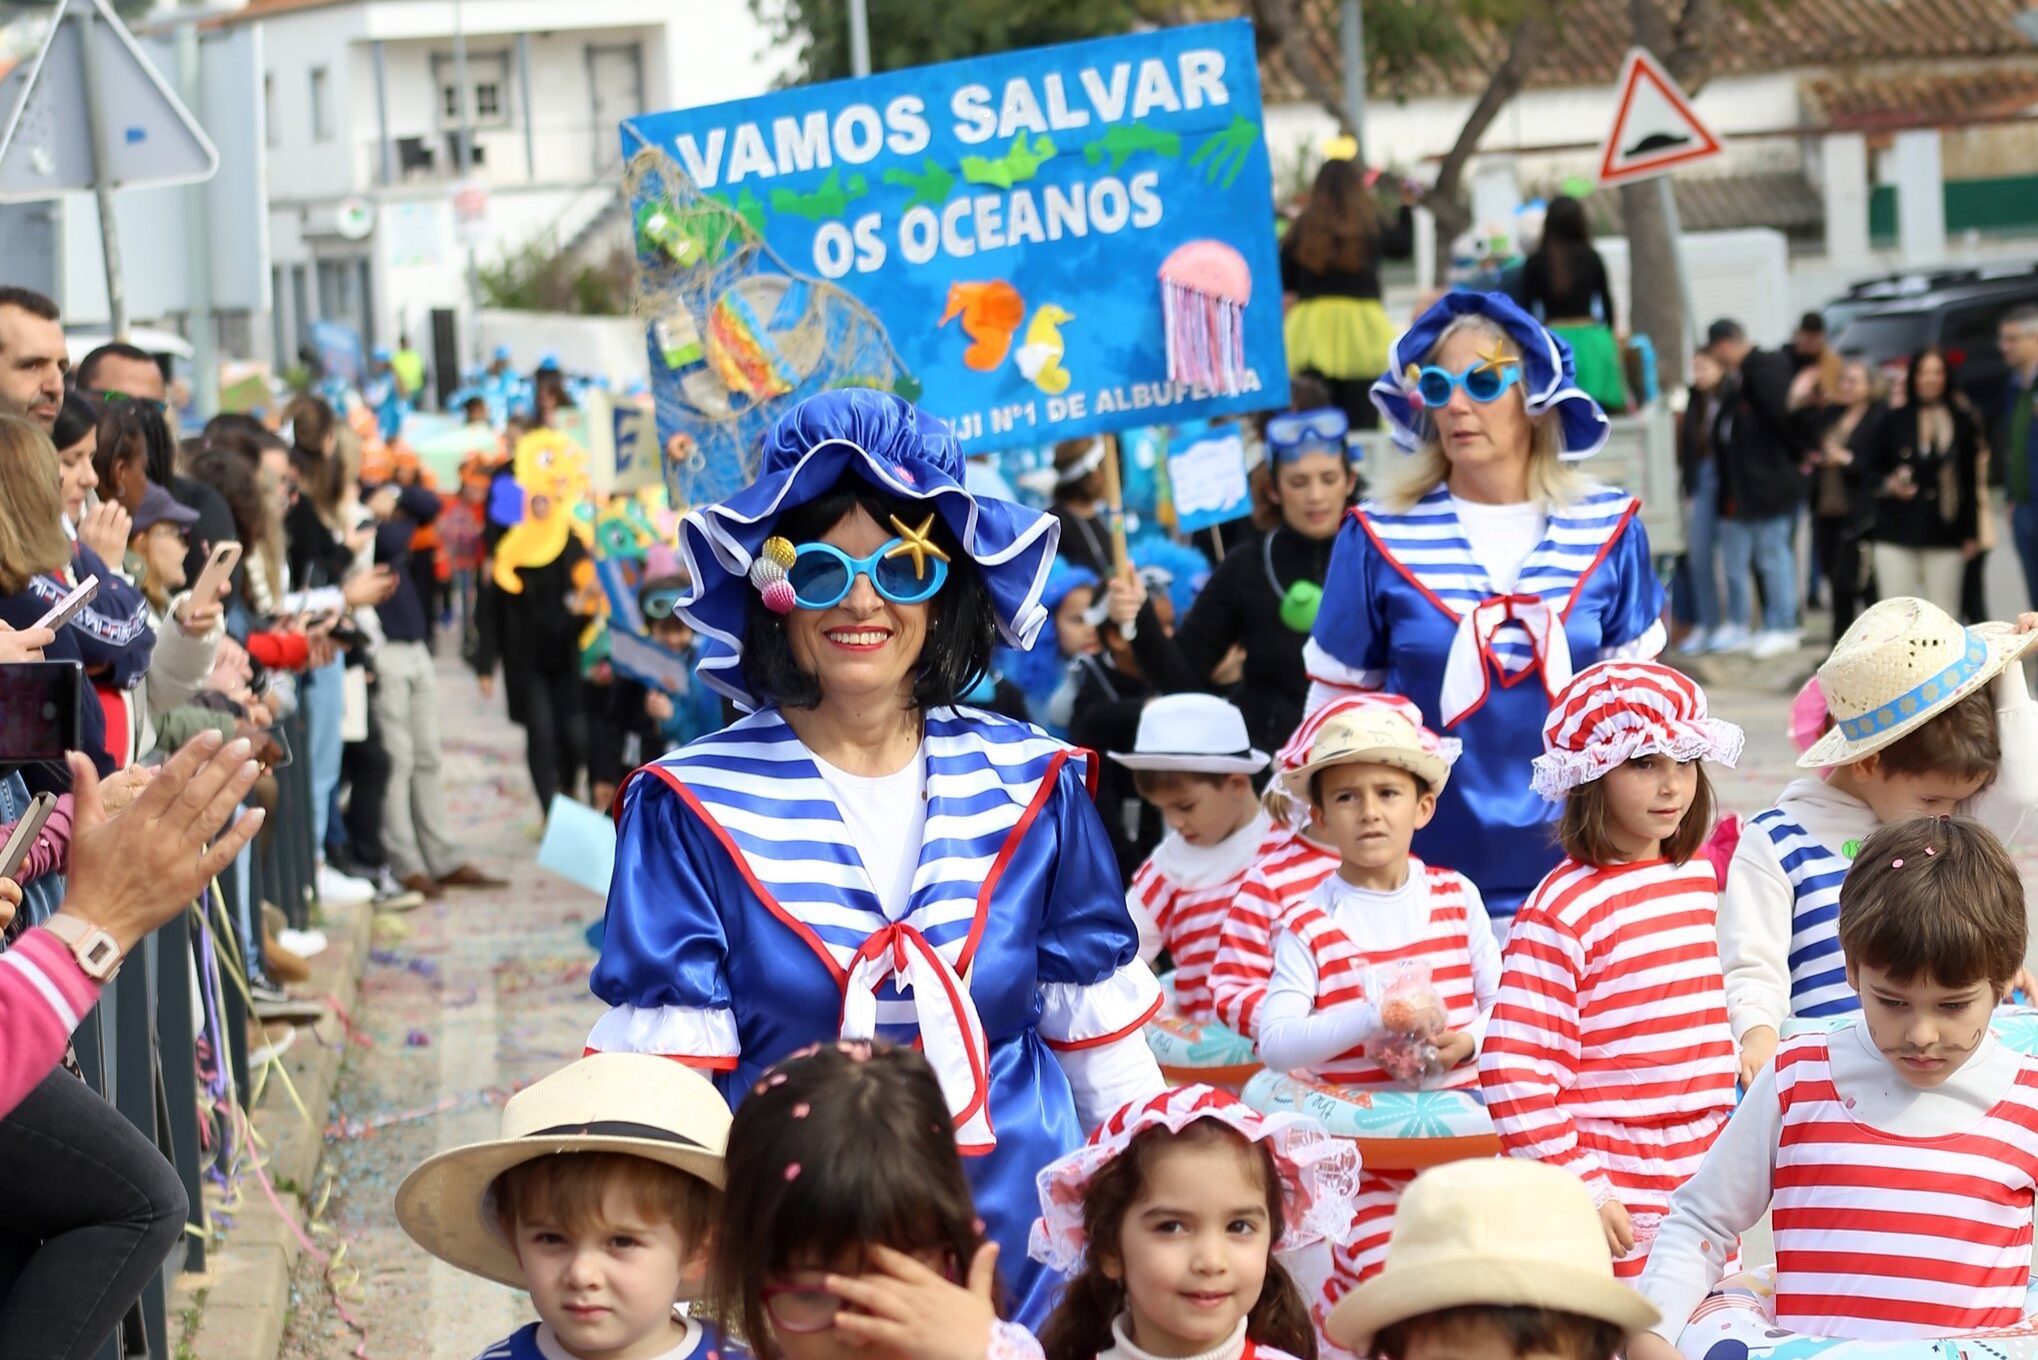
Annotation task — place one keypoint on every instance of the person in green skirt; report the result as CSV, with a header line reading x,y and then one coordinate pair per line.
x,y
1336,329
1564,285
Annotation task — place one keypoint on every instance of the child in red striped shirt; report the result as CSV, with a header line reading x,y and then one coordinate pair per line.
x,y
1608,1053
1898,1149
1194,762
1384,975
1293,859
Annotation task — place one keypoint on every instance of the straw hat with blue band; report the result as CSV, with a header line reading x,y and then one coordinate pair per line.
x,y
898,449
1548,373
1903,663
637,1104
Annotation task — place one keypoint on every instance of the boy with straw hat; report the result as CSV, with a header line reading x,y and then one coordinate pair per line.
x,y
1386,973
598,1199
1493,1260
1924,718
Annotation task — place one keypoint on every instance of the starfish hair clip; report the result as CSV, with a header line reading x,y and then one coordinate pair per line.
x,y
917,543
1496,356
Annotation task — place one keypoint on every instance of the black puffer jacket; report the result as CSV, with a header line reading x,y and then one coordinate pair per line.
x,y
1757,442
1242,604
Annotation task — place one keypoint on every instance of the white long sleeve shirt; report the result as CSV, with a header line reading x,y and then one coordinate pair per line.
x,y
1293,1034
1758,904
1731,1190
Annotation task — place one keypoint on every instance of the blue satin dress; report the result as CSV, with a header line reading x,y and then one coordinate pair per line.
x,y
742,926
1404,599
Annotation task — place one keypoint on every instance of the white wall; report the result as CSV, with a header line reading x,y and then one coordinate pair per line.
x,y
717,51
1406,134
300,166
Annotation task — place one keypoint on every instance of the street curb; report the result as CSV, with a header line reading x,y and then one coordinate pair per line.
x,y
236,1308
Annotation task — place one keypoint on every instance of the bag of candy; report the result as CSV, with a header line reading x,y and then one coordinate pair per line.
x,y
1412,1015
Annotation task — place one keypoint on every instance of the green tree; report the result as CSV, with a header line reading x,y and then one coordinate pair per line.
x,y
916,32
537,277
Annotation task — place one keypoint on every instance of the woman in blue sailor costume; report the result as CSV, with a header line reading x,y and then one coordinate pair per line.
x,y
1483,571
859,857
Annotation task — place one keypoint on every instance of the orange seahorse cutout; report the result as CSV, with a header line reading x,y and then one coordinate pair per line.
x,y
991,313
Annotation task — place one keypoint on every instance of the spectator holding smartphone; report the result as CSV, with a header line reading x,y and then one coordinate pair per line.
x,y
82,1236
33,546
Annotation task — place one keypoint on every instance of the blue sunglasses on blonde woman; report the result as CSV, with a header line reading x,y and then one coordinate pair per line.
x,y
908,569
1484,381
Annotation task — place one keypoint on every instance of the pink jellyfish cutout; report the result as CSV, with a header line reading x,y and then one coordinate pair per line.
x,y
1205,286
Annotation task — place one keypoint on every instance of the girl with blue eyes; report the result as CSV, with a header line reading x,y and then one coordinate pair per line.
x,y
1167,1221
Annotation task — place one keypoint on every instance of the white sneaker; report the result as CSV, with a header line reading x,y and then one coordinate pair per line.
x,y
1779,642
336,889
276,1041
303,943
1729,637
1697,642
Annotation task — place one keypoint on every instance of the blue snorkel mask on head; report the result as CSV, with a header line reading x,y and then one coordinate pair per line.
x,y
1295,433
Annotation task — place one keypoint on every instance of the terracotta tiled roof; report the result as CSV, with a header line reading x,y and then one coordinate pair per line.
x,y
1864,98
1784,34
1780,199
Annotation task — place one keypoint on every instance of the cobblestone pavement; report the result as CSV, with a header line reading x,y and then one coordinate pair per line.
x,y
463,1001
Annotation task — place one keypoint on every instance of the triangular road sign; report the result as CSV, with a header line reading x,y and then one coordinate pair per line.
x,y
1655,129
45,140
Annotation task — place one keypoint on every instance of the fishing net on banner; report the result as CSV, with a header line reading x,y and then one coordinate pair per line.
x,y
736,337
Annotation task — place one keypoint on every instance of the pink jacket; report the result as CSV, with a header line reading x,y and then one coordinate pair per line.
x,y
52,847
43,995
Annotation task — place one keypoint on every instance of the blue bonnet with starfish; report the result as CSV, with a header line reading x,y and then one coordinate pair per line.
x,y
1549,379
897,448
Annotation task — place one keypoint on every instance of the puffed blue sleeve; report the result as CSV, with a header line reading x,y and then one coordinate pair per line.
x,y
663,945
1093,987
1348,647
1631,629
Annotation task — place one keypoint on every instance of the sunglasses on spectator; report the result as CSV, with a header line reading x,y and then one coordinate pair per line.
x,y
146,403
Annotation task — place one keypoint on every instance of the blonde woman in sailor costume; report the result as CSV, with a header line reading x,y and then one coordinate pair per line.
x,y
859,857
1484,571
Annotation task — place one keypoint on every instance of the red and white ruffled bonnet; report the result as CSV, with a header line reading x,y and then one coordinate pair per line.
x,y
1617,710
1319,1173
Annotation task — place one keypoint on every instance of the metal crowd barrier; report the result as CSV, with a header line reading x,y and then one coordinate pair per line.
x,y
138,1046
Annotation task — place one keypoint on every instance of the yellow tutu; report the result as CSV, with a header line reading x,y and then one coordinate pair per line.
x,y
1338,337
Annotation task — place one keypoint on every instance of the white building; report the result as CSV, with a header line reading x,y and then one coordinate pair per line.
x,y
361,107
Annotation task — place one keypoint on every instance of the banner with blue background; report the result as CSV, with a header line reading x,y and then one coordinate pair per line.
x,y
1052,243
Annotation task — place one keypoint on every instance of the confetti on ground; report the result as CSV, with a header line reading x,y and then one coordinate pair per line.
x,y
496,982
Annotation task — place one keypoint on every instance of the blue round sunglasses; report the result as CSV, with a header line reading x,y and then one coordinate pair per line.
x,y
908,569
1483,382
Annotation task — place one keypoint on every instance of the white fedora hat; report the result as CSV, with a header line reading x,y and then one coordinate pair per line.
x,y
633,1103
1193,733
1497,1231
1904,662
